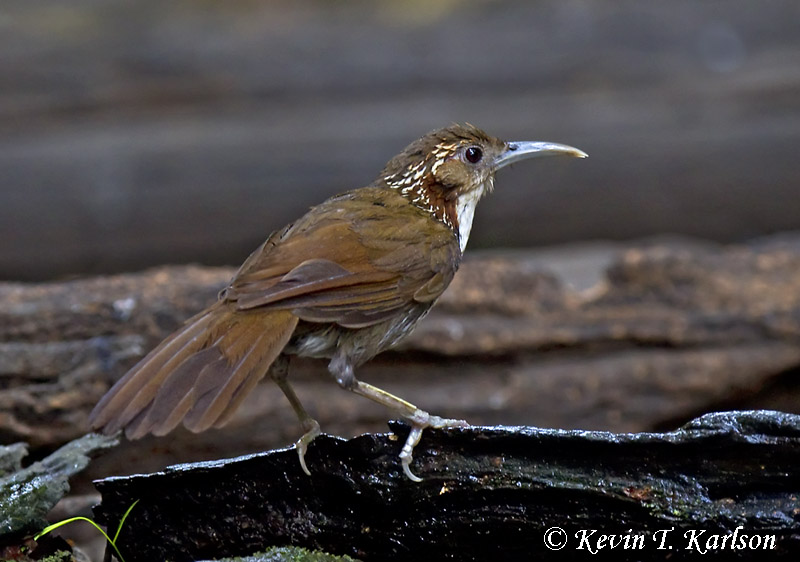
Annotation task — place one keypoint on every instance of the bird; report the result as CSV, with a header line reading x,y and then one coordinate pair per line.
x,y
344,282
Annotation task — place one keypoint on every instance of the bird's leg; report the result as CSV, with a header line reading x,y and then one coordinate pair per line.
x,y
279,371
342,369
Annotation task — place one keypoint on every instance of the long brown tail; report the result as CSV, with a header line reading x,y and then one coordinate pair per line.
x,y
200,374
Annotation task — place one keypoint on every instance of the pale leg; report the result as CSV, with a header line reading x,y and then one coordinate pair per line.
x,y
279,371
419,419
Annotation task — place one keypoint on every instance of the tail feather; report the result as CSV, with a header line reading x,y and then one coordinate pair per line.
x,y
117,408
275,341
198,375
152,375
174,398
212,397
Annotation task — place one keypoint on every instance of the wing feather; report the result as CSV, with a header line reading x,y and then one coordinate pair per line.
x,y
351,261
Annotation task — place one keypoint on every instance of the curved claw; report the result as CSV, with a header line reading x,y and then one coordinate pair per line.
x,y
302,444
406,454
419,422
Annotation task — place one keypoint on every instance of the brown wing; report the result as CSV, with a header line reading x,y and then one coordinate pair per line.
x,y
354,260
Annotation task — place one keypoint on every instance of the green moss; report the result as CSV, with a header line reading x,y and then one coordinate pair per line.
x,y
60,556
290,554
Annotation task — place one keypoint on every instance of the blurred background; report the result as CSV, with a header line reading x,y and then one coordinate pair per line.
x,y
140,133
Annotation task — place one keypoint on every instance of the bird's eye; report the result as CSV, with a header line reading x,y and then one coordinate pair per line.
x,y
473,154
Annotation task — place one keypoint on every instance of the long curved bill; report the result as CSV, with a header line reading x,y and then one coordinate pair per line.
x,y
522,150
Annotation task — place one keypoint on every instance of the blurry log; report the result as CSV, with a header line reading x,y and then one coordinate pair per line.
x,y
63,344
660,335
488,494
673,331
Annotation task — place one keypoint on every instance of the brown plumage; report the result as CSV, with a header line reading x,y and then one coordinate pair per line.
x,y
346,281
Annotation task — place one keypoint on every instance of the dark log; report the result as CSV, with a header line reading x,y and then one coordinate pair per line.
x,y
660,335
489,493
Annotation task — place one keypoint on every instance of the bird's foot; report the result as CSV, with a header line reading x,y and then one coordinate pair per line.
x,y
419,421
312,431
438,423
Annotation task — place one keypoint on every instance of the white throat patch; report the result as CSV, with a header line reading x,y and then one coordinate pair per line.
x,y
465,211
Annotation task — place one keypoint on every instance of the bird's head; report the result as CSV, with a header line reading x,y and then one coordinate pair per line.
x,y
447,171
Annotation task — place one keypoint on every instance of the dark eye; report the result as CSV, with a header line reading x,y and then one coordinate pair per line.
x,y
473,154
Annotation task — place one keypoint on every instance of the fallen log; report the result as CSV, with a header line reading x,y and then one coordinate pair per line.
x,y
650,337
489,493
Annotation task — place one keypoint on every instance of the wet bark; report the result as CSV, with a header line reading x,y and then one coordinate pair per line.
x,y
487,493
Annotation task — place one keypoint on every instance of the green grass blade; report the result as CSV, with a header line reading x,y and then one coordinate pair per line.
x,y
113,542
122,521
55,526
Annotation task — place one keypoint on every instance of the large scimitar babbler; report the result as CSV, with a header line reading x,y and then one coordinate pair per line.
x,y
347,280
